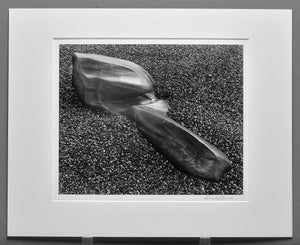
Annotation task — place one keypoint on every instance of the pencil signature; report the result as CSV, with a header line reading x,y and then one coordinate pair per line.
x,y
218,198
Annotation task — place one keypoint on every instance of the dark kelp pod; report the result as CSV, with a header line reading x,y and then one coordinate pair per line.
x,y
186,150
121,86
100,80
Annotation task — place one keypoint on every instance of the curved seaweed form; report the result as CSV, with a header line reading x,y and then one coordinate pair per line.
x,y
123,87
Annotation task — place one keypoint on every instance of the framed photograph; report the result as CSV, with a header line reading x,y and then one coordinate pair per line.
x,y
150,123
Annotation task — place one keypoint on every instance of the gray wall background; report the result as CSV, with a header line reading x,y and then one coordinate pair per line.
x,y
251,4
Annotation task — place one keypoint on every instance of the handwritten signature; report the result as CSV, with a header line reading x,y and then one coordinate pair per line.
x,y
218,198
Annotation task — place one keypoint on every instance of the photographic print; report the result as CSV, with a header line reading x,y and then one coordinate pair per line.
x,y
151,119
133,125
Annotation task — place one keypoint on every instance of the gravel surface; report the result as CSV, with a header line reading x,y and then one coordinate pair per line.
x,y
103,153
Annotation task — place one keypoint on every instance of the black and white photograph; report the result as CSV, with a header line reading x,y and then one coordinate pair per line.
x,y
151,119
171,123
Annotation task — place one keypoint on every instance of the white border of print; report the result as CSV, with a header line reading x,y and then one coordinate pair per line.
x,y
184,198
35,209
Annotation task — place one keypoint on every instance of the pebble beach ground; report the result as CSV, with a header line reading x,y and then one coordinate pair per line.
x,y
103,153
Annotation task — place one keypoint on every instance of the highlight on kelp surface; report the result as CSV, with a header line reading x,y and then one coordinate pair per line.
x,y
121,86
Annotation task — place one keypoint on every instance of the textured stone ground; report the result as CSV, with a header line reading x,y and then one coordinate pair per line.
x,y
102,153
